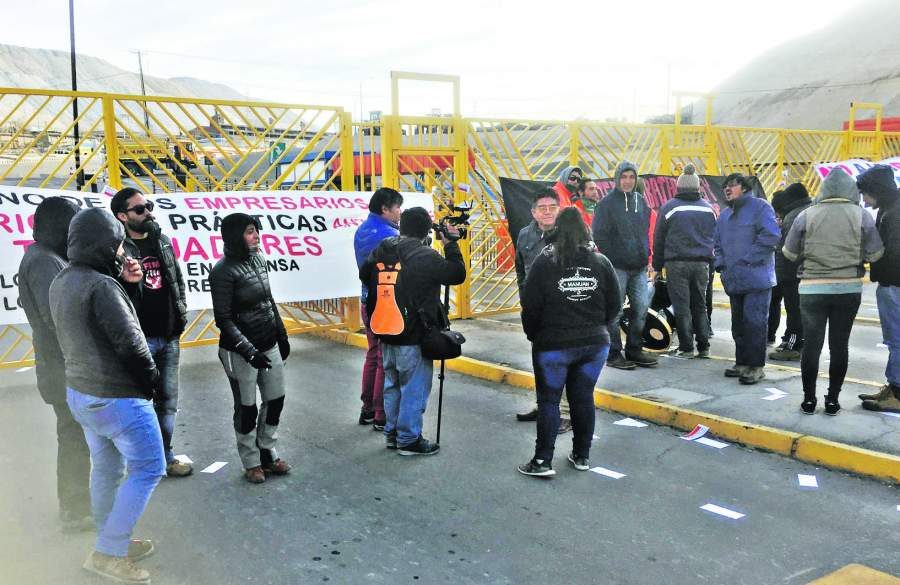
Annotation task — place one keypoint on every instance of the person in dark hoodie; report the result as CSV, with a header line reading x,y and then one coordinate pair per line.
x,y
407,375
683,245
621,231
788,204
571,298
879,189
831,240
253,345
566,186
111,379
42,261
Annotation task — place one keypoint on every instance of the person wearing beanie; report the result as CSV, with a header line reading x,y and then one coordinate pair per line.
x,y
43,260
253,345
830,240
407,374
683,247
879,189
788,204
745,240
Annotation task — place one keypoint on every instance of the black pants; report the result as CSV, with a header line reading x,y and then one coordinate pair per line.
x,y
837,312
73,465
793,332
687,282
775,312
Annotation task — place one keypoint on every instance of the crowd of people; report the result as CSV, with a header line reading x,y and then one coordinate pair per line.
x,y
107,358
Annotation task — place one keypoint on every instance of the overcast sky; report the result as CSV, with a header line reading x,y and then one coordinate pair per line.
x,y
525,58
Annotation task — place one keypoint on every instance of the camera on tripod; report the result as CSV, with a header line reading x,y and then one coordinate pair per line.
x,y
458,218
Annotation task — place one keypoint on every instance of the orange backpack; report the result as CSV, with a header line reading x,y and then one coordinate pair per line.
x,y
390,314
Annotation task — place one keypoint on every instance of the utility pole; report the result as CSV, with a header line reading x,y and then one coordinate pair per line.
x,y
79,180
143,93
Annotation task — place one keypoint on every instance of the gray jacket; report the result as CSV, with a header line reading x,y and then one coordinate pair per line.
x,y
529,243
96,325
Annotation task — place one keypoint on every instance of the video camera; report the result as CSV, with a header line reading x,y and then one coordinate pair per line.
x,y
458,218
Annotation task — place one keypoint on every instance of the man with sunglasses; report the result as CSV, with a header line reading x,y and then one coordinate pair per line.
x,y
161,307
567,186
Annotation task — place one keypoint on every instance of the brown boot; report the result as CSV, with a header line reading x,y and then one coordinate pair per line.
x,y
882,393
121,569
889,403
255,474
277,467
140,549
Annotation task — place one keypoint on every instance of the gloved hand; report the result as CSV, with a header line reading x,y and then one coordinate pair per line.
x,y
259,361
151,383
284,348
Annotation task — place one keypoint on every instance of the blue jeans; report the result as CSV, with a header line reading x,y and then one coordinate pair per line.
x,y
749,326
166,353
407,385
888,298
634,284
120,432
577,369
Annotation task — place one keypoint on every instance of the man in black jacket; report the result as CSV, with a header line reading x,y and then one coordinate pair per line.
x,y
879,189
43,260
253,345
407,375
110,378
160,303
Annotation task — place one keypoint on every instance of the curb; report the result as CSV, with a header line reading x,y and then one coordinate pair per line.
x,y
806,448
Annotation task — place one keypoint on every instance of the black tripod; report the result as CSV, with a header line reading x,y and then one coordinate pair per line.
x,y
437,440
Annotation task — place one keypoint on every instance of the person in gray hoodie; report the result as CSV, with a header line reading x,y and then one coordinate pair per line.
x,y
831,240
621,230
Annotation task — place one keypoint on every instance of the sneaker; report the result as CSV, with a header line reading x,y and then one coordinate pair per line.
x,y
179,469
565,425
255,474
277,467
616,360
390,441
735,371
73,523
785,355
808,406
703,354
378,425
752,375
770,342
889,403
366,418
832,406
882,393
121,569
529,416
422,446
643,359
139,549
685,354
537,468
579,463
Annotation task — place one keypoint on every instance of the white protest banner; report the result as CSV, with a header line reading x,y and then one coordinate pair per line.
x,y
306,237
856,166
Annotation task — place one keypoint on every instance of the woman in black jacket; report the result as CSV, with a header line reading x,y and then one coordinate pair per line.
x,y
253,345
570,298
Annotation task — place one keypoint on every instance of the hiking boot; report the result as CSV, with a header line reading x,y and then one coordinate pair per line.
x,y
565,425
537,468
277,467
529,416
785,355
685,354
72,522
179,469
882,393
121,569
703,354
890,403
735,371
616,360
139,549
255,474
390,441
422,446
579,463
366,418
808,406
752,375
643,359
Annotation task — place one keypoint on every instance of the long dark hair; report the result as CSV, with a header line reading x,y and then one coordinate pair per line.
x,y
571,233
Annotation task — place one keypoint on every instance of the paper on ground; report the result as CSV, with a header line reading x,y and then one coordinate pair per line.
x,y
630,422
711,442
809,481
882,345
184,459
893,414
214,467
722,511
698,432
25,369
774,394
898,507
607,472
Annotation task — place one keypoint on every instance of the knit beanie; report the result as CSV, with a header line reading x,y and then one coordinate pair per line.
x,y
689,181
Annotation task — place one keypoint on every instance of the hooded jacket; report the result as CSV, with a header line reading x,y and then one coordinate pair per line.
x,y
43,260
97,327
243,307
879,182
529,243
685,230
565,196
424,271
746,236
834,237
368,235
788,204
621,225
171,274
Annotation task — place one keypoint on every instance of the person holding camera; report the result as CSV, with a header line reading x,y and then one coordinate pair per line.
x,y
253,345
407,374
111,379
570,302
159,299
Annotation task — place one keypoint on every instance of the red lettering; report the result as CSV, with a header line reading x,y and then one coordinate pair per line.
x,y
23,243
314,248
192,203
233,201
215,203
270,242
194,248
294,247
361,203
304,203
251,202
271,203
321,202
214,242
288,203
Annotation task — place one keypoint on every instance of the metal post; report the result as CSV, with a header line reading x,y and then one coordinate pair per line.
x,y
79,179
143,93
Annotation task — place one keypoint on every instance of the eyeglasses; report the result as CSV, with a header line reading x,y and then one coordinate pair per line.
x,y
546,208
574,178
140,209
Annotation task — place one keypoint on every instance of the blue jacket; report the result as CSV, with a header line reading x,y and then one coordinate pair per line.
x,y
621,225
368,235
746,236
685,230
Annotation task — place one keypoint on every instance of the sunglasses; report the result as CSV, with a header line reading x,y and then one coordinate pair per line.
x,y
140,209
